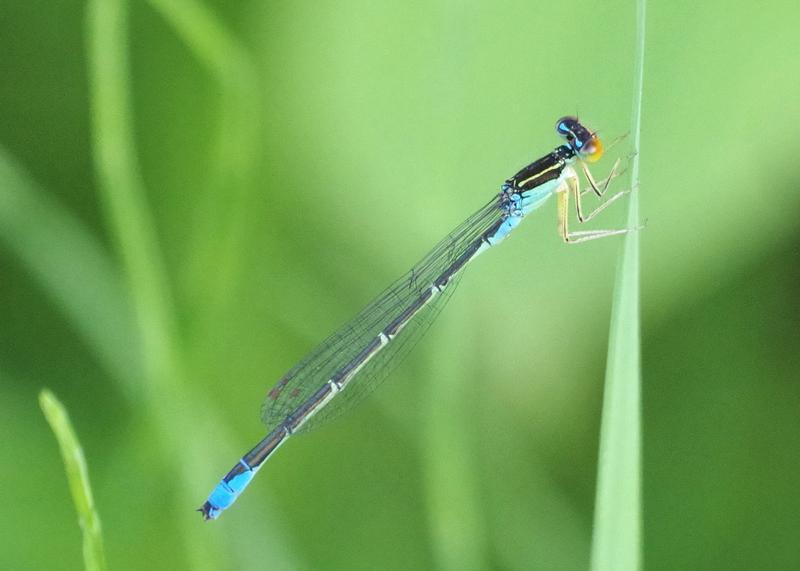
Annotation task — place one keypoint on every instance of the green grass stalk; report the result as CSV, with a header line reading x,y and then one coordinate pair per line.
x,y
617,534
78,478
219,216
132,225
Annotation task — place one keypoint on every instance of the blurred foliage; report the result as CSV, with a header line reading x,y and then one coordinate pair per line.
x,y
297,156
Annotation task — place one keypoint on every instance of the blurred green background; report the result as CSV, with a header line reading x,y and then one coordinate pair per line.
x,y
258,171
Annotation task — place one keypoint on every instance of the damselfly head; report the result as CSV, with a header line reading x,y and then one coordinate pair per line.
x,y
584,142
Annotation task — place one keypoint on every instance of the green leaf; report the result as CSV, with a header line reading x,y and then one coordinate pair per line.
x,y
78,478
616,542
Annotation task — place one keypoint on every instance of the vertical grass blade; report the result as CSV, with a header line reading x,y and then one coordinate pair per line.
x,y
122,190
78,478
183,420
132,224
616,541
219,215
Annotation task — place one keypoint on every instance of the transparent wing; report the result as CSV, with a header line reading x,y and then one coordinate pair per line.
x,y
305,378
379,367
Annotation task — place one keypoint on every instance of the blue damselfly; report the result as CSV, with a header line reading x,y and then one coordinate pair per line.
x,y
365,349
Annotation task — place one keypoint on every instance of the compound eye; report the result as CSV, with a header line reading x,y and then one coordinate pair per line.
x,y
566,127
592,149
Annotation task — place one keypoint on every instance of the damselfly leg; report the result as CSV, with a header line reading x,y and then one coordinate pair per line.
x,y
572,184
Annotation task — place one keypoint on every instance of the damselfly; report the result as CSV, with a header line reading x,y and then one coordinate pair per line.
x,y
362,352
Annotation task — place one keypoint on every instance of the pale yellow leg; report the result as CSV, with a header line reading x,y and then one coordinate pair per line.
x,y
573,188
585,218
603,184
578,206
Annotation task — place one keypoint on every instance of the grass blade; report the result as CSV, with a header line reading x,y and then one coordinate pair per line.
x,y
185,423
122,189
616,541
133,227
73,269
78,478
219,217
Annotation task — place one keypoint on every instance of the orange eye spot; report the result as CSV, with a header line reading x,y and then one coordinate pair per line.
x,y
593,151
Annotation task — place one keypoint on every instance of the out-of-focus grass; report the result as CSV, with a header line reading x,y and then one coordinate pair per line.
x,y
220,216
73,269
78,478
133,227
617,535
173,409
122,191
